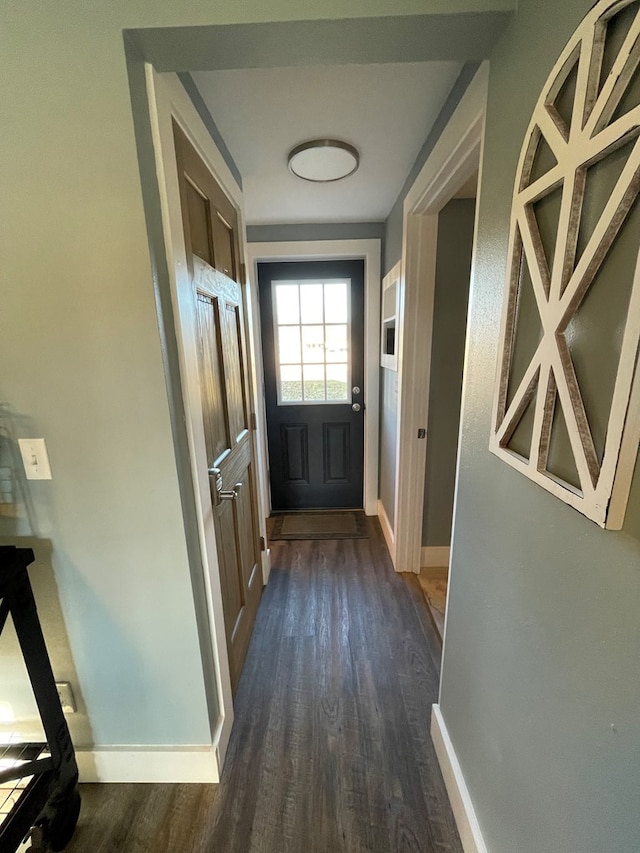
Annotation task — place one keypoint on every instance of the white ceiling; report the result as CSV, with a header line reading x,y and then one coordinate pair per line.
x,y
386,111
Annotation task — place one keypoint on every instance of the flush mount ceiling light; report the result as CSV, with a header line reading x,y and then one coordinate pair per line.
x,y
323,160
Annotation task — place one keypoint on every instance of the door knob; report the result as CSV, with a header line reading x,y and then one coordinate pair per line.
x,y
356,407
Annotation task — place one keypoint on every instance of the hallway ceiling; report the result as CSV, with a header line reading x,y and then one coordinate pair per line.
x,y
385,110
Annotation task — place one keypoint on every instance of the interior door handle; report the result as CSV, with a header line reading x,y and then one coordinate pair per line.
x,y
215,474
223,494
230,494
356,407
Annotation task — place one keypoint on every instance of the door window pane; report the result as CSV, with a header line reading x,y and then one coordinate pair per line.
x,y
287,304
289,344
336,309
313,344
336,348
337,382
311,303
314,389
311,326
291,383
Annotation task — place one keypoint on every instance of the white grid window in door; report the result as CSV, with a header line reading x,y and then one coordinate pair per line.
x,y
312,332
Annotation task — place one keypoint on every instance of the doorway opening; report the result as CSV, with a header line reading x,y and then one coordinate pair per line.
x,y
454,160
352,258
452,280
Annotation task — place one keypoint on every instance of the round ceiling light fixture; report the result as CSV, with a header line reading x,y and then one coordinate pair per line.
x,y
323,160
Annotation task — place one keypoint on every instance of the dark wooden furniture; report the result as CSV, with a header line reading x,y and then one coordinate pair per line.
x,y
50,803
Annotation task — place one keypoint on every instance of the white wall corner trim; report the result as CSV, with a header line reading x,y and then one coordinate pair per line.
x,y
434,556
266,565
387,530
149,764
461,803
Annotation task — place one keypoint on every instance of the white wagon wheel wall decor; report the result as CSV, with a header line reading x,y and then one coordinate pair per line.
x,y
567,404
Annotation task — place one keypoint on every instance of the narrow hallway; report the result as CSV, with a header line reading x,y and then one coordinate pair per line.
x,y
330,749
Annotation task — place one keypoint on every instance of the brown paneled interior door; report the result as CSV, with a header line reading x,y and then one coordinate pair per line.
x,y
210,226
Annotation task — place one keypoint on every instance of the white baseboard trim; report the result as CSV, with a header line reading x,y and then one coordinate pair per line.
x,y
461,803
432,556
146,764
387,531
266,565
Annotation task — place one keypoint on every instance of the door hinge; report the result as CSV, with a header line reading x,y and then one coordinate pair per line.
x,y
253,420
263,544
243,273
422,433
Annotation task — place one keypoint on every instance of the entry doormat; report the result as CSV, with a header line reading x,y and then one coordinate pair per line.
x,y
320,525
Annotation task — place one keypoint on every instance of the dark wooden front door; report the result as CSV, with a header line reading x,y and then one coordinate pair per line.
x,y
211,233
312,316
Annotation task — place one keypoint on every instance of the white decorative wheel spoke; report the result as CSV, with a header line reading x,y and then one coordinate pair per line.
x,y
580,121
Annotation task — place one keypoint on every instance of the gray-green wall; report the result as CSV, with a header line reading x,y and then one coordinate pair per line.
x,y
81,365
453,268
540,677
393,233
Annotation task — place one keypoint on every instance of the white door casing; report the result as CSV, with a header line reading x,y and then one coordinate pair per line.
x,y
316,250
453,160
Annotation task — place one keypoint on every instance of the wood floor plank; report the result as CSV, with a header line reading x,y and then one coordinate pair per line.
x,y
330,750
348,673
145,818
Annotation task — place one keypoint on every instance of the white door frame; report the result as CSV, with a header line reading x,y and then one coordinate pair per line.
x,y
168,101
454,159
316,250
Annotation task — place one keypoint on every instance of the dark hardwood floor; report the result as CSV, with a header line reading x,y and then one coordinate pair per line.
x,y
330,749
145,819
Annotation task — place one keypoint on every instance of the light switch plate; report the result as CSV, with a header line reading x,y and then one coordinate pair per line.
x,y
35,458
67,699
